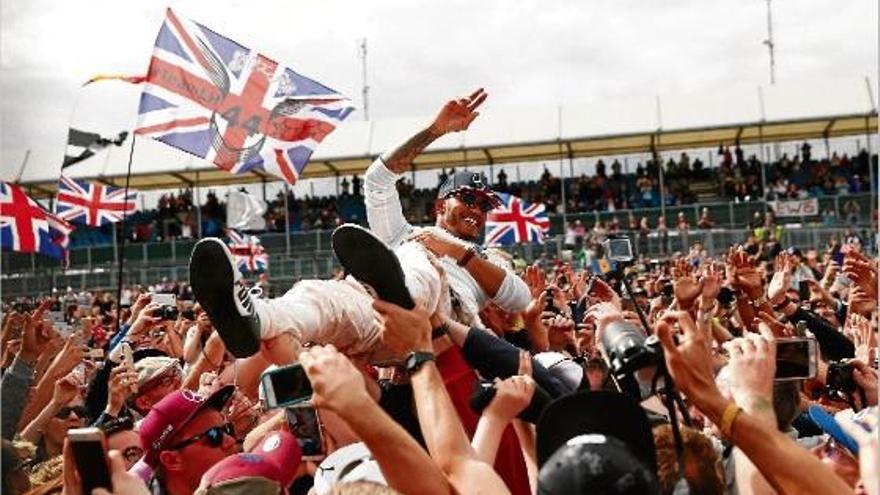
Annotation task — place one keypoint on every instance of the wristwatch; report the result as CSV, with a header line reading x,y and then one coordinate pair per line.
x,y
416,359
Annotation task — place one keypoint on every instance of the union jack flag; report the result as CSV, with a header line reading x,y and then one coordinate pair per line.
x,y
250,256
27,227
93,204
214,98
515,222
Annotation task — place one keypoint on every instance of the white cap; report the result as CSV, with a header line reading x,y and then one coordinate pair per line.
x,y
350,463
564,369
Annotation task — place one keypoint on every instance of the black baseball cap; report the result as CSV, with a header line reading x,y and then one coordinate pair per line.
x,y
466,180
596,442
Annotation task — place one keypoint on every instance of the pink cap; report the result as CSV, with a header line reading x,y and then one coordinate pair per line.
x,y
171,414
275,460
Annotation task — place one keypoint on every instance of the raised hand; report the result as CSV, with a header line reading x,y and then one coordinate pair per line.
x,y
513,394
711,285
456,115
689,360
404,330
336,383
123,384
685,286
752,366
66,389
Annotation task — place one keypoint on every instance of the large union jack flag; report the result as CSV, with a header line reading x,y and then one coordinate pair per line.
x,y
27,227
214,98
515,222
250,256
93,204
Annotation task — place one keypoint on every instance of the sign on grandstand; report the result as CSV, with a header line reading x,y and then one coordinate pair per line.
x,y
796,208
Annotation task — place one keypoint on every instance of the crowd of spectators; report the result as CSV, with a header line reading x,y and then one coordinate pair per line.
x,y
610,189
179,415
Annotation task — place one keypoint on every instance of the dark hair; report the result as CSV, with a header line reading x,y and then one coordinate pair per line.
x,y
115,425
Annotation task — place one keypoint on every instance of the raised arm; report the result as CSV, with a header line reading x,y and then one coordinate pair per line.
x,y
444,434
384,212
340,388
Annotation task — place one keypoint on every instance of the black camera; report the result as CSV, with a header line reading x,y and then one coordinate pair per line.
x,y
628,351
189,314
167,313
840,378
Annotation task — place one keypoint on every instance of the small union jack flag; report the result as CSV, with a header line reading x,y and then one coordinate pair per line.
x,y
93,204
250,256
515,222
214,98
27,227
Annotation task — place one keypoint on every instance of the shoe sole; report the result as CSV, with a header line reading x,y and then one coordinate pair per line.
x,y
370,261
210,269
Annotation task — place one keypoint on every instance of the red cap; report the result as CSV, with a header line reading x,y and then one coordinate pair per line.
x,y
171,414
274,461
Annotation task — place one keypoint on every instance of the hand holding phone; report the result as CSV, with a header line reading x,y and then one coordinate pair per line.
x,y
286,386
304,423
90,457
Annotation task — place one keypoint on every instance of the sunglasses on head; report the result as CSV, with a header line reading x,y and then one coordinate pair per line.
x,y
64,412
214,436
473,199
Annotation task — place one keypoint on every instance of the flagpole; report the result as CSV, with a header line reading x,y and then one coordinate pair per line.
x,y
121,253
115,244
286,221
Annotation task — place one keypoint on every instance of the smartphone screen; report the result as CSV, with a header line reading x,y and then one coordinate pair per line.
x,y
91,458
164,299
795,358
286,386
619,249
306,426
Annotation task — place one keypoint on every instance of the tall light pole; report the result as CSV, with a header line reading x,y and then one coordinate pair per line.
x,y
770,44
365,91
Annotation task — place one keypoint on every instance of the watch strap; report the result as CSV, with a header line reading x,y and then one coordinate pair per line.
x,y
416,359
470,253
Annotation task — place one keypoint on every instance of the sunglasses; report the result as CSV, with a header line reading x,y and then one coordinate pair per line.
x,y
473,199
214,436
81,412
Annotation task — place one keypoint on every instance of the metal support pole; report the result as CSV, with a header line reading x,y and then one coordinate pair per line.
x,y
264,190
870,158
337,183
730,212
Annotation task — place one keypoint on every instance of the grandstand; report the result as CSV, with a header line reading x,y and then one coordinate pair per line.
x,y
662,128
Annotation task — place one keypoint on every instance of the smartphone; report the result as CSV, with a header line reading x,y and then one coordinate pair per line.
x,y
164,299
619,249
796,358
91,458
127,356
286,386
94,354
306,427
804,290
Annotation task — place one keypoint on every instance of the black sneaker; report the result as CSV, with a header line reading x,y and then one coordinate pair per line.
x,y
216,285
369,260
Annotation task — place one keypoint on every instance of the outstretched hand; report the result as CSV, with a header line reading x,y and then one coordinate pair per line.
x,y
456,115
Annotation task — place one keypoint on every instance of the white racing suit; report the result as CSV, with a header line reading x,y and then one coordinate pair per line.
x,y
340,312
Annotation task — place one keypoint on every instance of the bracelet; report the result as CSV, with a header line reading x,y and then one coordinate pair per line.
x,y
467,257
727,419
759,301
779,307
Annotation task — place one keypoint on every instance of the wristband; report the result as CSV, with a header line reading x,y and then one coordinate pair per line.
x,y
467,256
728,418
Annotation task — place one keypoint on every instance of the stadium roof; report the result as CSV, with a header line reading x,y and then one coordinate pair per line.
x,y
784,112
